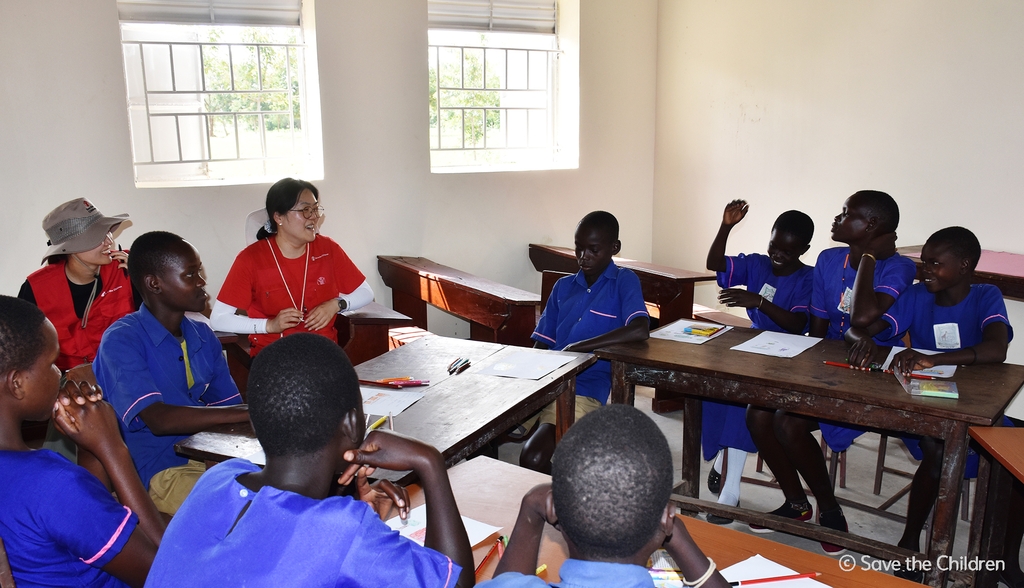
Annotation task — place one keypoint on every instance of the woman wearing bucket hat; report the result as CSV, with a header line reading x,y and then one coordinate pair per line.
x,y
292,279
84,287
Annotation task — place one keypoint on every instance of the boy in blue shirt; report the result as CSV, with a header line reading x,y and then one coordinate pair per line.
x,y
609,497
601,305
852,286
59,524
967,324
164,373
280,526
778,290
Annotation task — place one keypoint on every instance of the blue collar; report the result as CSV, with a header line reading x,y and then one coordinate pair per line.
x,y
586,574
157,332
611,273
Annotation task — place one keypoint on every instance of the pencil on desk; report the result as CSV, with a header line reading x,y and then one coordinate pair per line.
x,y
775,579
488,556
867,369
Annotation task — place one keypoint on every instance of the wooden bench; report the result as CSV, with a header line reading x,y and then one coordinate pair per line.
x,y
497,313
668,292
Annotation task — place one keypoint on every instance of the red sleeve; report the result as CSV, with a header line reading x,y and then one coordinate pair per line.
x,y
237,289
346,273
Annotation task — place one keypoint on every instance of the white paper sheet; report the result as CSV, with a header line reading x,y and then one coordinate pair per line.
x,y
677,331
749,569
416,527
777,344
528,365
384,401
939,371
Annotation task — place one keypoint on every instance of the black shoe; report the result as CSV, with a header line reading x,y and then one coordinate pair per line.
x,y
791,510
716,519
833,519
714,481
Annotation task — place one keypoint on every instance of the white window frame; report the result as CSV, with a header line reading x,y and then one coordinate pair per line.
x,y
561,111
199,165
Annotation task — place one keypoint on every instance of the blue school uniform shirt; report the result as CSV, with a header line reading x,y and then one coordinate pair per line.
x,y
576,311
833,282
792,292
139,363
580,574
58,523
286,539
931,327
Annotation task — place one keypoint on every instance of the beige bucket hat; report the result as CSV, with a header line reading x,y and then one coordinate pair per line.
x,y
78,226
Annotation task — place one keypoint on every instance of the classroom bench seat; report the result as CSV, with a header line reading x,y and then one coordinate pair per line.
x,y
497,313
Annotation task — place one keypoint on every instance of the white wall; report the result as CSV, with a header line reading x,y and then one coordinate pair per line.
x,y
799,103
65,135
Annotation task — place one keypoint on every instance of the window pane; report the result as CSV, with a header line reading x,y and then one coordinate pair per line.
x,y
243,61
495,128
474,129
538,128
495,61
188,74
473,67
216,67
278,134
158,67
517,128
538,70
250,136
274,64
165,138
451,129
193,138
432,96
222,137
450,60
517,74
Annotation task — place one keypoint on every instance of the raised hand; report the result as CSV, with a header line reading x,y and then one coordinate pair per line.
x,y
734,212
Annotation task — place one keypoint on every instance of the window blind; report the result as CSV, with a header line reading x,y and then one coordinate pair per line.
x,y
529,16
226,12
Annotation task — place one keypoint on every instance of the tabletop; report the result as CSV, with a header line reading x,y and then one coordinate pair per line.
x,y
491,491
1006,444
457,415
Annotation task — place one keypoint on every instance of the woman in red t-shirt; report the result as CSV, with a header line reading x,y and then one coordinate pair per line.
x,y
292,279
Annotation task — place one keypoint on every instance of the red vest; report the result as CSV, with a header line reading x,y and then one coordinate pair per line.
x,y
53,296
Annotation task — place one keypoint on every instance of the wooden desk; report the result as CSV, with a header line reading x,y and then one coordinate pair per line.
x,y
1002,457
668,292
804,385
363,333
491,491
458,414
999,268
496,312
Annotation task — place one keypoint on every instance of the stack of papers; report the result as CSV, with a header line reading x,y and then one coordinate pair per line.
x,y
690,331
385,401
752,568
527,365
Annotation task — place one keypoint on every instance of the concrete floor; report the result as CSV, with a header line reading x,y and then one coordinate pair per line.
x,y
861,459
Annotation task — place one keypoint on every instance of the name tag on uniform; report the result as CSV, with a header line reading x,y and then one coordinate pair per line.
x,y
844,301
768,292
947,336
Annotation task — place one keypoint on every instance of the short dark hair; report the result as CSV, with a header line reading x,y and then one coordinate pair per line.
x,y
797,224
611,479
150,254
602,221
21,334
300,387
962,243
881,206
281,197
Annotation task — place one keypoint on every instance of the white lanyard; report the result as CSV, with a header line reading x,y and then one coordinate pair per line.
x,y
286,288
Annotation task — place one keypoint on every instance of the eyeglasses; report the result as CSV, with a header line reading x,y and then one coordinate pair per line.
x,y
309,212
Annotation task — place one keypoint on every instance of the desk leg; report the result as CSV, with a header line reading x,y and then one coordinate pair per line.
x,y
566,409
988,529
623,391
944,523
690,484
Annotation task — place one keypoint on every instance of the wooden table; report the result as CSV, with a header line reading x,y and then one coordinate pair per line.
x,y
491,491
999,268
363,333
458,414
804,385
1003,457
496,312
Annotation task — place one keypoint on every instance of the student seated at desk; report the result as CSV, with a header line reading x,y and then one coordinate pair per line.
x,y
778,290
164,373
292,279
600,305
852,286
611,478
967,324
243,526
59,524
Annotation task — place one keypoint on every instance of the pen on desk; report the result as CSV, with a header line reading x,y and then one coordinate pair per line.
x,y
455,364
775,579
462,368
488,556
876,369
391,421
